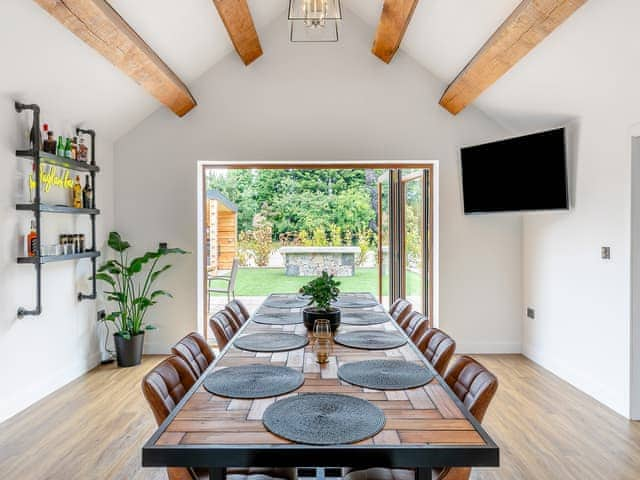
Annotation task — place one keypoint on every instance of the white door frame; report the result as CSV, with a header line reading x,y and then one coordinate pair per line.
x,y
315,164
634,370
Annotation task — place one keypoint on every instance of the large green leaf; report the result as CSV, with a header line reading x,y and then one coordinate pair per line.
x,y
117,243
136,264
158,293
168,251
142,302
105,277
112,317
155,274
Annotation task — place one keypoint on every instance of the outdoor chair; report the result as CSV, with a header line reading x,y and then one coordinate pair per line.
x,y
230,280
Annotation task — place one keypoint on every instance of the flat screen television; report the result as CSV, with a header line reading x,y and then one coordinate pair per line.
x,y
518,174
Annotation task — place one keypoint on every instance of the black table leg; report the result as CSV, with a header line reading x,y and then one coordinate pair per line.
x,y
217,473
423,473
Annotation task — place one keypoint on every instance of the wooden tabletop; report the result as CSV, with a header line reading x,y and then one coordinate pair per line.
x,y
426,426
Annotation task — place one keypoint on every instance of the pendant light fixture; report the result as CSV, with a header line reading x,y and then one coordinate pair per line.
x,y
314,20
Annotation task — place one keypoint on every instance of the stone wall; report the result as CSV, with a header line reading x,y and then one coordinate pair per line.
x,y
311,261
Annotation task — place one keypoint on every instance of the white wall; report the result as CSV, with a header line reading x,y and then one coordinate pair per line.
x,y
319,102
582,327
39,354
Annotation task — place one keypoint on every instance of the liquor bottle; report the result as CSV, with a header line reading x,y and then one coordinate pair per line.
x,y
67,148
45,135
74,148
49,143
60,149
83,151
87,193
32,240
77,193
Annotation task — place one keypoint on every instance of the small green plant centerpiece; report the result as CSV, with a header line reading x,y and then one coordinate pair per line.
x,y
322,290
131,289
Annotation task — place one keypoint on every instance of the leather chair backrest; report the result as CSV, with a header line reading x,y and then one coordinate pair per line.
x,y
238,311
166,384
400,310
474,385
223,328
416,324
437,347
194,350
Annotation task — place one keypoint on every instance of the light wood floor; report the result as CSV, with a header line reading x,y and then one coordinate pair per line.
x,y
94,427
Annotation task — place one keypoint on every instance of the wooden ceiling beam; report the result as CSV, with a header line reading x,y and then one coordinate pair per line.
x,y
97,24
394,20
237,19
529,24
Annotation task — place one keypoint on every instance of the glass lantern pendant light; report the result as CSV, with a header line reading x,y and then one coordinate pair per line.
x,y
314,20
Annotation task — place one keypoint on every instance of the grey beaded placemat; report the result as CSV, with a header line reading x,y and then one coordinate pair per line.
x,y
270,342
286,301
364,318
385,374
253,381
323,419
355,302
370,340
278,319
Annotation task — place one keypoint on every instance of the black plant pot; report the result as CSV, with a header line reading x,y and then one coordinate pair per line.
x,y
129,352
311,314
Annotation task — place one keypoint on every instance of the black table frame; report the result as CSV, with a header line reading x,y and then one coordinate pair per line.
x,y
216,458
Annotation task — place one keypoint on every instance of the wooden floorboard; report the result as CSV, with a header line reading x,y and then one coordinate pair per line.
x,y
94,427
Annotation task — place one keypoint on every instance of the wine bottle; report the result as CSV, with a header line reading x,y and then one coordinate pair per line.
x,y
87,193
77,193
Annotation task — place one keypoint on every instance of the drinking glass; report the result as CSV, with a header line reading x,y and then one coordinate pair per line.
x,y
322,329
322,349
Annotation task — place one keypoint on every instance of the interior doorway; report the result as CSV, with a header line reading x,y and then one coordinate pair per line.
x,y
283,221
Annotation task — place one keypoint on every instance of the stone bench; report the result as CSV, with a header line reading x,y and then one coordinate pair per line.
x,y
311,261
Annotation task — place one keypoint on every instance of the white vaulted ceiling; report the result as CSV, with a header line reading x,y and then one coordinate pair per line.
x,y
593,55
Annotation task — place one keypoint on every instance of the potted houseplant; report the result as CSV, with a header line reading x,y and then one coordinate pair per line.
x,y
131,288
322,291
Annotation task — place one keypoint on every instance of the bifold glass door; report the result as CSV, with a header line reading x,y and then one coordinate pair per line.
x,y
404,237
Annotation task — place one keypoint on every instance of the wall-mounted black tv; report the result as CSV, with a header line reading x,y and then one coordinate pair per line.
x,y
518,174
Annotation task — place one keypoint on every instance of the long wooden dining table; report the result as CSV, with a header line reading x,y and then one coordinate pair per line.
x,y
425,427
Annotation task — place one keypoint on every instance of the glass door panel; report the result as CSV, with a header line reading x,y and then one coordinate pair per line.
x,y
415,238
383,254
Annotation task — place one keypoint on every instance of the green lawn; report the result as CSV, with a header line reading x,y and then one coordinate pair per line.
x,y
263,281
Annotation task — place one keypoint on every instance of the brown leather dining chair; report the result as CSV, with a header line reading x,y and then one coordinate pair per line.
x,y
238,311
400,310
437,347
163,387
416,325
194,350
475,386
223,328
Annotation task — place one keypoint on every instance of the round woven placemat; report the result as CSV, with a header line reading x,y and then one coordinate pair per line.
x,y
286,302
278,319
270,342
364,318
253,381
323,419
385,374
355,302
370,340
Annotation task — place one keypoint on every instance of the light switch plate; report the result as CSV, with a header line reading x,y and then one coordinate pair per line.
x,y
605,253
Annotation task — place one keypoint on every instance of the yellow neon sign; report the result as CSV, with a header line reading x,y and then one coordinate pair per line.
x,y
51,178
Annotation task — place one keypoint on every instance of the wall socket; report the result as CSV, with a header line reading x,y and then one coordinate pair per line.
x,y
605,253
101,315
531,313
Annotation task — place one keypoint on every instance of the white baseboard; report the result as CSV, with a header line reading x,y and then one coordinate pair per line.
x,y
45,385
488,348
590,385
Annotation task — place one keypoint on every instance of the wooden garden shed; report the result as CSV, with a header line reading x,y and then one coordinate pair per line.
x,y
221,230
